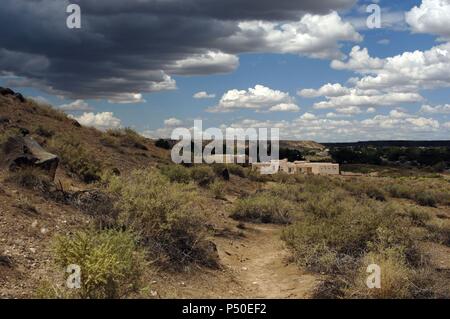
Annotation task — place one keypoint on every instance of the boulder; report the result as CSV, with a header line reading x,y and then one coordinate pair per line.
x,y
76,123
226,174
19,97
6,91
4,120
6,261
22,152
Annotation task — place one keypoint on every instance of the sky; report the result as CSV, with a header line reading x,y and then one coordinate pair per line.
x,y
314,69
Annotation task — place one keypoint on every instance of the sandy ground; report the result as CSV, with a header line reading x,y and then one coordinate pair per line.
x,y
259,262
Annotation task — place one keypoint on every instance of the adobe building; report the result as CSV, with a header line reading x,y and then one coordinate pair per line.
x,y
297,167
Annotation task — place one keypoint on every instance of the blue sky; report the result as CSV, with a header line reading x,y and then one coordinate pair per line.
x,y
374,95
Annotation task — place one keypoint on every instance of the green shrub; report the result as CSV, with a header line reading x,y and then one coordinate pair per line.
x,y
177,173
396,277
217,188
109,140
367,188
264,208
129,138
425,192
111,264
77,159
166,216
255,176
202,174
425,199
47,110
42,131
31,178
237,170
418,216
343,229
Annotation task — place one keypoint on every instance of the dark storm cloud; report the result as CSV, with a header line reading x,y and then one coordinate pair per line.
x,y
130,46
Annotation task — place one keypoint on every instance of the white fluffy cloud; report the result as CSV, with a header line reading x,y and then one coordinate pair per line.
x,y
103,120
391,81
285,107
356,98
128,98
259,98
349,110
359,60
395,125
203,95
438,109
205,63
432,16
409,71
77,105
314,35
329,89
172,122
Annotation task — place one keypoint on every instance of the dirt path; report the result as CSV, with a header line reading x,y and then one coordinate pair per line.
x,y
259,263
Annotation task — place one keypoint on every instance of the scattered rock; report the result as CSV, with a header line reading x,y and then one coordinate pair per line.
x,y
19,97
4,120
226,174
76,123
21,152
24,131
6,91
97,204
115,171
6,261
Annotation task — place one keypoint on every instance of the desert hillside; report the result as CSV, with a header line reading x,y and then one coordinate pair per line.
x,y
140,226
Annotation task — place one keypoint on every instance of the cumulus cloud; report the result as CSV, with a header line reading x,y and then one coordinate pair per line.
x,y
397,124
172,122
285,107
203,95
390,81
330,128
102,121
314,35
329,89
438,109
211,62
135,47
77,105
432,16
349,110
128,98
259,98
368,98
359,60
407,71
